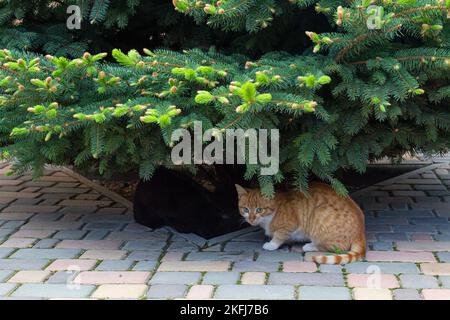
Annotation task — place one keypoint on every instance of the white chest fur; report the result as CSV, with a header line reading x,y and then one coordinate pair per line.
x,y
297,236
265,224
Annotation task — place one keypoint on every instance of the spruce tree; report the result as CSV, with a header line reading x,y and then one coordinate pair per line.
x,y
375,85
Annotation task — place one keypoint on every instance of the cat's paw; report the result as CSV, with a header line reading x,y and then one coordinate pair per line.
x,y
270,246
310,247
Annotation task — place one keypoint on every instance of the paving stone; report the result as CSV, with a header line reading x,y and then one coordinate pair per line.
x,y
255,292
220,278
257,236
245,266
5,274
182,246
85,203
12,224
103,254
436,294
406,294
127,236
200,292
110,218
145,266
431,205
120,291
427,199
378,228
418,281
4,252
243,246
6,232
114,265
443,256
440,269
61,188
51,225
59,291
113,277
220,256
176,278
6,288
71,265
271,256
202,266
144,255
429,187
372,294
173,256
307,279
445,281
400,205
59,277
76,210
87,196
135,227
90,244
19,195
46,244
166,291
324,293
444,228
253,278
70,235
46,217
112,226
400,256
406,214
376,281
144,245
420,237
37,234
297,266
391,236
442,237
17,216
415,228
423,246
31,208
23,264
408,193
388,221
29,276
96,235
383,246
384,267
443,213
330,268
432,221
397,187
111,210
46,253
419,181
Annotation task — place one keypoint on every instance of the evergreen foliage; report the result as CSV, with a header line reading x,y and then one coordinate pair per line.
x,y
356,95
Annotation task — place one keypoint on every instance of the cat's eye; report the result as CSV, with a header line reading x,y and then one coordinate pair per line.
x,y
245,210
259,210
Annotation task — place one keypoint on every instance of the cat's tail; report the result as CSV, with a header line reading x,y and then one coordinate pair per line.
x,y
357,252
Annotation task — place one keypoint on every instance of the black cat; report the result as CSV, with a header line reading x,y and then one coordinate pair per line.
x,y
172,198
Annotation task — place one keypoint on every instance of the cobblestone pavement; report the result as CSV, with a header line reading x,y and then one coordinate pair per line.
x,y
64,237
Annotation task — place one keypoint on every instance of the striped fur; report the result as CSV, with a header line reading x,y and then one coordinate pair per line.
x,y
357,252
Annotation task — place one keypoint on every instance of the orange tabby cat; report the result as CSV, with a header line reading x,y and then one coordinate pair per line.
x,y
332,223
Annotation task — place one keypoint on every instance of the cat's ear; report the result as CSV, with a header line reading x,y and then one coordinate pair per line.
x,y
240,190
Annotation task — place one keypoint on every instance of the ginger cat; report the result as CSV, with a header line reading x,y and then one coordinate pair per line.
x,y
332,223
